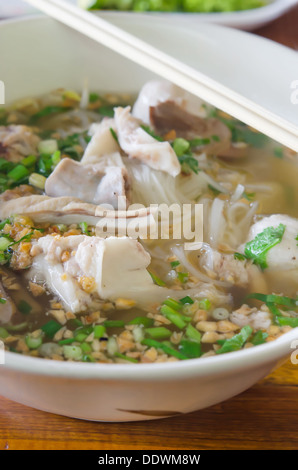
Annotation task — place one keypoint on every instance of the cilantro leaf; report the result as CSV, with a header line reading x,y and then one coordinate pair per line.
x,y
236,342
258,248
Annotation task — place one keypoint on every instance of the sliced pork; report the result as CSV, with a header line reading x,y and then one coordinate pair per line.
x,y
17,142
92,183
138,144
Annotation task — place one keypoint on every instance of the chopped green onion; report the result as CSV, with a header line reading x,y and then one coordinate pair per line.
x,y
38,181
48,110
51,328
158,332
152,133
273,309
112,346
99,331
48,147
88,358
3,333
204,304
33,343
188,164
18,173
239,256
107,111
114,135
29,161
85,329
84,227
220,313
56,157
66,341
191,349
157,280
192,333
174,264
24,307
72,352
86,348
5,242
62,228
180,146
199,142
126,358
183,277
186,300
4,222
275,299
80,337
173,316
164,347
287,321
172,303
93,97
19,327
147,322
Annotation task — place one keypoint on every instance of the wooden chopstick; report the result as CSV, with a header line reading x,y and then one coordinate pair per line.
x,y
171,69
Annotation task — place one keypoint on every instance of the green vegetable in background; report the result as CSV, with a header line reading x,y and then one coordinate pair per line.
x,y
192,6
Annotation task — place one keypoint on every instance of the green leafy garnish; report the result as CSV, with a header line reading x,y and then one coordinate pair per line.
x,y
145,321
114,135
157,280
152,133
186,300
239,256
174,264
24,307
189,164
84,228
259,338
182,277
236,342
164,347
47,111
126,358
51,328
287,321
258,248
191,349
274,299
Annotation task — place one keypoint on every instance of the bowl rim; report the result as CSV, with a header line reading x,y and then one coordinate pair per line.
x,y
238,360
248,358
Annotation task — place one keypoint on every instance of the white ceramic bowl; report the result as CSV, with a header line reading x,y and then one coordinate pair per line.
x,y
40,55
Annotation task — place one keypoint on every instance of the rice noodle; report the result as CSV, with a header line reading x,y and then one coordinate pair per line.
x,y
238,193
85,95
217,222
180,254
213,183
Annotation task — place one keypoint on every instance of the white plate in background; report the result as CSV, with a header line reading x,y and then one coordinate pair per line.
x,y
248,19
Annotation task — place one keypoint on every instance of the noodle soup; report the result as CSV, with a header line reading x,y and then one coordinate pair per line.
x,y
69,294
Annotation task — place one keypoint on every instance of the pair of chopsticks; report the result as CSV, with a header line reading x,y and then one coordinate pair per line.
x,y
171,69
